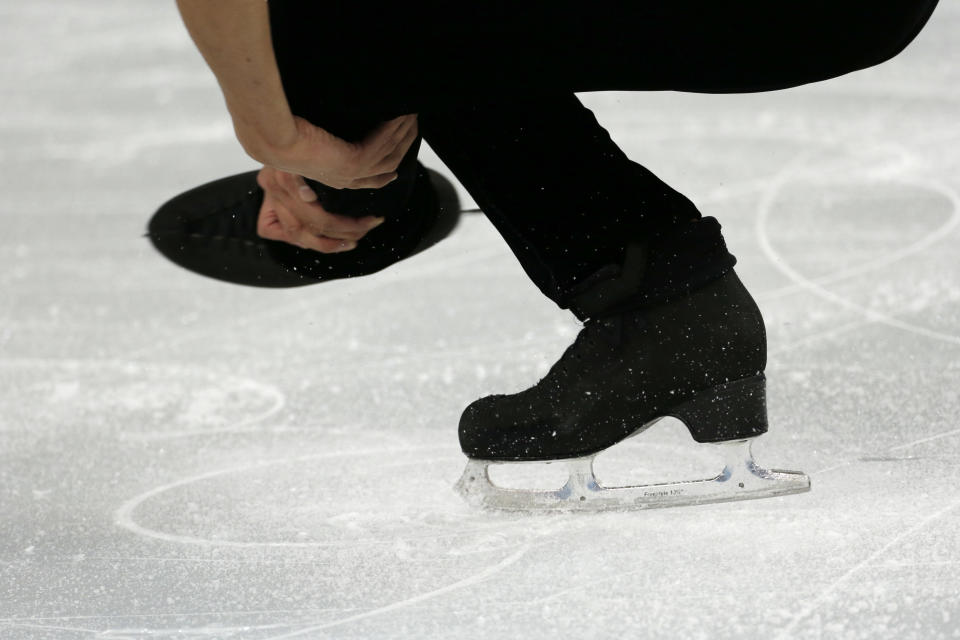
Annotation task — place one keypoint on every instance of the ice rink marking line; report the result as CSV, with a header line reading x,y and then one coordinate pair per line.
x,y
814,604
460,584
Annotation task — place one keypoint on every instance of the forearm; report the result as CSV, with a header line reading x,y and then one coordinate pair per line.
x,y
234,38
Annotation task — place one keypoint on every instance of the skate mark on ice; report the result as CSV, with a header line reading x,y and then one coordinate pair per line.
x,y
765,207
38,620
892,458
903,160
770,188
14,624
187,633
893,449
933,438
139,633
46,627
124,516
580,586
460,584
828,591
816,337
247,424
907,565
935,236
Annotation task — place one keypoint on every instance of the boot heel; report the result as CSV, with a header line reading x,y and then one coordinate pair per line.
x,y
731,411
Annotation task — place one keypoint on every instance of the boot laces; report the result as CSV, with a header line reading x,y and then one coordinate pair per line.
x,y
585,347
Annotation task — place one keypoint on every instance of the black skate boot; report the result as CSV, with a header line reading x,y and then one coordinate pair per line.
x,y
212,230
699,358
626,369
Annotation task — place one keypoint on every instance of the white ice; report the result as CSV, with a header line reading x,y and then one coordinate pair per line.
x,y
182,458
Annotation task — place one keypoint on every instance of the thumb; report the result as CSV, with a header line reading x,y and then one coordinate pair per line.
x,y
303,190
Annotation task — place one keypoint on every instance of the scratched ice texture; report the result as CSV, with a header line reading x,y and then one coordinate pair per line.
x,y
181,458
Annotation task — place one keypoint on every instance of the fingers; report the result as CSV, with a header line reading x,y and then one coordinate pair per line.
x,y
268,224
374,182
300,202
390,162
291,214
368,164
296,234
387,135
381,152
305,192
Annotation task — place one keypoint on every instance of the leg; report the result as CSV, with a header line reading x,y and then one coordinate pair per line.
x,y
670,330
567,213
384,58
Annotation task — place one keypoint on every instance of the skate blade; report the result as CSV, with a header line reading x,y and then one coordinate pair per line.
x,y
741,479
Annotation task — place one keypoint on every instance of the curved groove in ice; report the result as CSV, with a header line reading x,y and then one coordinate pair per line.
x,y
124,516
776,259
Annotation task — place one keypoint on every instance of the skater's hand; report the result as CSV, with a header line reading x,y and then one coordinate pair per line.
x,y
235,39
290,213
317,154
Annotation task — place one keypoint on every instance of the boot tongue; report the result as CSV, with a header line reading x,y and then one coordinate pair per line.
x,y
670,264
605,291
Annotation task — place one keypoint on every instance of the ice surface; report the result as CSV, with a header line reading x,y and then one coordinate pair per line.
x,y
181,458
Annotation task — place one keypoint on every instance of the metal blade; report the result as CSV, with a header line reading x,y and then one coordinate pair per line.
x,y
740,479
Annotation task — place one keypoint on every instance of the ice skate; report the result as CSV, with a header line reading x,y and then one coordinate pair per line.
x,y
212,230
739,478
699,358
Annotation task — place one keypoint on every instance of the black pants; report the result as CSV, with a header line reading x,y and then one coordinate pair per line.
x,y
494,87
